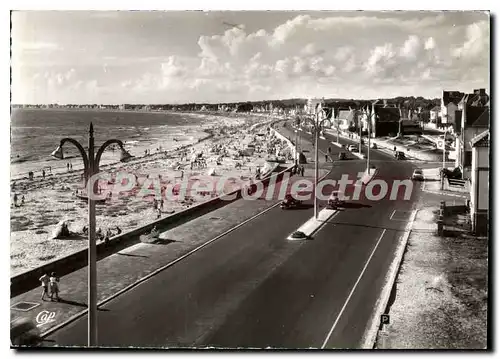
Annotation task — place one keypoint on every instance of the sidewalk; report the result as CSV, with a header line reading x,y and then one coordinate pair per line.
x,y
124,268
442,290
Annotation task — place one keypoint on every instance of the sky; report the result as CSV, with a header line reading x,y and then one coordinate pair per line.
x,y
113,57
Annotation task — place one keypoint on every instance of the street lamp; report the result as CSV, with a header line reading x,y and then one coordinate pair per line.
x,y
91,167
317,124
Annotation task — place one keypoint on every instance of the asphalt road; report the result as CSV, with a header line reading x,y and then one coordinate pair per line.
x,y
253,288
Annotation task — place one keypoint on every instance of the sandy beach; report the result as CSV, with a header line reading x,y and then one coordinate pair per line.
x,y
221,153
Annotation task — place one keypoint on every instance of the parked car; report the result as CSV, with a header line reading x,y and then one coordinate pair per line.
x,y
289,202
334,201
418,175
353,148
399,155
342,156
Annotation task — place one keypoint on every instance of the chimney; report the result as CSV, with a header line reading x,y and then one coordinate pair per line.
x,y
482,92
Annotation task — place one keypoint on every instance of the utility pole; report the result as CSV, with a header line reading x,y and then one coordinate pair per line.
x,y
369,137
316,166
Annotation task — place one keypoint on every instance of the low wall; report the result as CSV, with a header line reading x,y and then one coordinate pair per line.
x,y
278,135
28,280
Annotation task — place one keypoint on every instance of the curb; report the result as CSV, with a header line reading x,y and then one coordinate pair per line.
x,y
371,333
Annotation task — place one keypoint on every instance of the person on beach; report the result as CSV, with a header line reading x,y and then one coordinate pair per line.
x,y
45,279
22,200
43,174
67,166
71,166
15,199
54,286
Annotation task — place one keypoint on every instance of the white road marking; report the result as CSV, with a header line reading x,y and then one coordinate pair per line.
x,y
370,336
352,291
392,215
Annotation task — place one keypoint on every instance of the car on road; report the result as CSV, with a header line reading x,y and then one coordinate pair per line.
x,y
418,175
399,155
334,201
342,156
289,202
353,148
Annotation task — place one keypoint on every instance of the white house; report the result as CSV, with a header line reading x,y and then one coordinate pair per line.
x,y
345,119
434,114
480,177
449,105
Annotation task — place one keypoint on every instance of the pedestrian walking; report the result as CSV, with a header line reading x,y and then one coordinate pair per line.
x,y
43,174
71,166
22,200
161,203
54,286
302,171
158,213
50,169
15,199
329,150
44,280
326,158
155,203
67,166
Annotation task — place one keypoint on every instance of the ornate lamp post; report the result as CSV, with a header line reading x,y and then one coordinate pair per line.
x,y
318,123
91,167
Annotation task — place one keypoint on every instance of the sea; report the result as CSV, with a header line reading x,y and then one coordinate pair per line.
x,y
35,133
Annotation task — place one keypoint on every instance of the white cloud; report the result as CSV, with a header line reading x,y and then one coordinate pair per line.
x,y
380,56
411,47
430,43
477,41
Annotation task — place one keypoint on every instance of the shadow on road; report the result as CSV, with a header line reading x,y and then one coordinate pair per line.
x,y
132,255
79,304
354,205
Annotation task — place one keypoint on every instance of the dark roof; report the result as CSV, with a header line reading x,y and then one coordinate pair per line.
x,y
452,96
436,108
475,99
387,114
478,116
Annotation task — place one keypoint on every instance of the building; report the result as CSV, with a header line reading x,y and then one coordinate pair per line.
x,y
480,177
474,120
345,119
384,120
313,104
449,105
434,114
